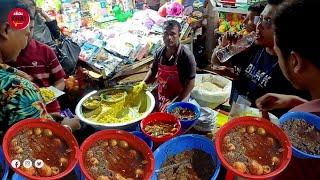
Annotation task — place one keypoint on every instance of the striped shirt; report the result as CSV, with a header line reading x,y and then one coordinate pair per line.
x,y
40,62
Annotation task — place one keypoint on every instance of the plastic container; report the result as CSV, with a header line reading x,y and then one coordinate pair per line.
x,y
121,125
57,129
144,138
309,118
76,170
135,142
183,143
4,166
160,117
271,128
185,123
225,53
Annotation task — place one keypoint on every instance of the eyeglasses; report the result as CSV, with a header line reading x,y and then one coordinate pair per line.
x,y
263,21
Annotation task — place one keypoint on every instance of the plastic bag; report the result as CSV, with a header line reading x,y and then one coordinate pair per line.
x,y
242,108
211,90
207,121
68,54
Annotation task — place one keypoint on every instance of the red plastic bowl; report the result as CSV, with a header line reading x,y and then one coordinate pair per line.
x,y
271,128
57,129
135,142
160,117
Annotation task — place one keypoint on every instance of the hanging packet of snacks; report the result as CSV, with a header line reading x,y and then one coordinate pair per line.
x,y
71,14
101,11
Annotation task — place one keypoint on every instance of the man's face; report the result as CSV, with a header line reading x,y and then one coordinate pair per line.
x,y
264,27
287,67
248,22
171,36
31,26
13,42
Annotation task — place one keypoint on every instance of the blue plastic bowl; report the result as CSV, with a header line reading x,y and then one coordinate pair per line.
x,y
186,124
144,138
183,143
309,118
4,165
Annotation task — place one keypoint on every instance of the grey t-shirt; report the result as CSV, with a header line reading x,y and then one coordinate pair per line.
x,y
41,32
186,64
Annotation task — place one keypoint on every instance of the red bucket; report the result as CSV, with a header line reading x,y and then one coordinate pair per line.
x,y
160,117
57,129
135,142
271,128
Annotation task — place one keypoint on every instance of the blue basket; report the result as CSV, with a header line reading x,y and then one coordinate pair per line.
x,y
144,138
183,143
309,118
186,124
4,165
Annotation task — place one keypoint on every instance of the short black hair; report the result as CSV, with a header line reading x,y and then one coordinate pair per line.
x,y
290,26
6,6
171,24
257,7
275,2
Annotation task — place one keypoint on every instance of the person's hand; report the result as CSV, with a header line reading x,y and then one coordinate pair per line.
x,y
224,71
40,11
73,123
272,101
43,14
229,38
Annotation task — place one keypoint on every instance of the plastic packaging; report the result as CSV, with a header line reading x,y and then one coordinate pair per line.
x,y
225,53
211,90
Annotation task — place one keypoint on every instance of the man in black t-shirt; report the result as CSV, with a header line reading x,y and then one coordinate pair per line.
x,y
257,67
174,67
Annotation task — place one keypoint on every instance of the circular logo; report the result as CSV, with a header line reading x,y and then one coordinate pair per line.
x,y
38,163
27,163
19,18
15,163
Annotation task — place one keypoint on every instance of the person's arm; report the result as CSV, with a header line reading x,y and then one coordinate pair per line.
x,y
60,84
226,68
152,73
44,15
190,70
57,73
150,77
272,101
51,24
54,29
187,90
27,92
226,39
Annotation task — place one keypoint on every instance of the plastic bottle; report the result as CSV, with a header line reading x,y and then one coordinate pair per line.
x,y
225,53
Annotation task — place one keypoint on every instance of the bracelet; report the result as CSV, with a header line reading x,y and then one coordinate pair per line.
x,y
68,127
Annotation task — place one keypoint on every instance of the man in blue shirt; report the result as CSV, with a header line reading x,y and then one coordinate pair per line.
x,y
257,67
